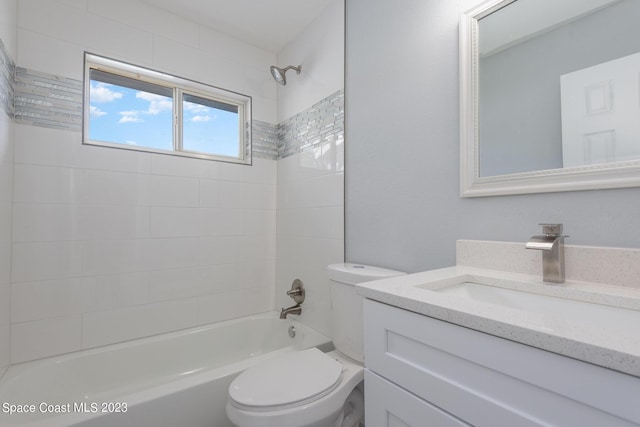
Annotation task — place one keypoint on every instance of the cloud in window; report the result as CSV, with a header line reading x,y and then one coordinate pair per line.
x,y
95,111
157,103
101,93
197,119
194,108
130,117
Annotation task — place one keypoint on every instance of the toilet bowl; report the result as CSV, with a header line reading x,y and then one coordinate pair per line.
x,y
310,388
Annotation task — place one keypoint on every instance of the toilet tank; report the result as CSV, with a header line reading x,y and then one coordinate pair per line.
x,y
346,305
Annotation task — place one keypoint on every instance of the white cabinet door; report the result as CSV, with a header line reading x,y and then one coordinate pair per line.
x,y
489,381
387,405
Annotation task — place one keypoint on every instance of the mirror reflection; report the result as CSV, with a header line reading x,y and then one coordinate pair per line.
x,y
558,85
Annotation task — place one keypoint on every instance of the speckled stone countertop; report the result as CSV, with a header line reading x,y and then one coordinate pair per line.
x,y
601,340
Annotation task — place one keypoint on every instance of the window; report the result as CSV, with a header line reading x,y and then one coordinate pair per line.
x,y
140,109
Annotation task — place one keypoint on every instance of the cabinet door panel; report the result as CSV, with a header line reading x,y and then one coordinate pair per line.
x,y
387,405
484,379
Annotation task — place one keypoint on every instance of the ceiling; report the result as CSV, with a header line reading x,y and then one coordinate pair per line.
x,y
268,24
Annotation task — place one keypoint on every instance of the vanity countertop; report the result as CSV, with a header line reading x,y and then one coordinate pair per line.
x,y
597,342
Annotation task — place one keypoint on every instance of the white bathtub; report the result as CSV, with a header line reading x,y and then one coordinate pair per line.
x,y
175,379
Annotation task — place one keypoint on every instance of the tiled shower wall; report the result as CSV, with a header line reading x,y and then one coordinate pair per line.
x,y
311,165
110,245
8,17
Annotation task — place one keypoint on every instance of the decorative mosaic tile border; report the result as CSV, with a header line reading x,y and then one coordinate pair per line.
x,y
47,100
265,140
320,124
7,81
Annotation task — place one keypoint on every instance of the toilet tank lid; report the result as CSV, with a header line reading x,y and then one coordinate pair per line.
x,y
351,273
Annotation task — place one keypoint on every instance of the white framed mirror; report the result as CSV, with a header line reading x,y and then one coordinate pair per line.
x,y
549,96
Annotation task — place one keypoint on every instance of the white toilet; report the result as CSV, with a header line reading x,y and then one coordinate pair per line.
x,y
309,388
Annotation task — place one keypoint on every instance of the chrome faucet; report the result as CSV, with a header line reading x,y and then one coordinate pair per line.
x,y
294,309
551,243
297,293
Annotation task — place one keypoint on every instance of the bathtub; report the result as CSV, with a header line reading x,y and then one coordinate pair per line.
x,y
175,379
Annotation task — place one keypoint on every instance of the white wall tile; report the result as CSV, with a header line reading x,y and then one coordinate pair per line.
x,y
259,274
112,222
214,308
174,222
106,327
63,297
8,19
43,146
218,44
95,33
120,256
105,158
6,140
37,222
321,48
42,338
310,228
191,282
42,261
219,250
5,262
232,194
115,291
40,52
262,171
260,222
56,147
209,193
259,196
247,195
307,259
80,4
222,171
45,184
221,222
113,188
162,164
46,299
157,21
185,61
8,23
5,325
170,191
258,247
135,243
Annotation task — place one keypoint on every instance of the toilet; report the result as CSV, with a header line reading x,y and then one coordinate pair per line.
x,y
310,388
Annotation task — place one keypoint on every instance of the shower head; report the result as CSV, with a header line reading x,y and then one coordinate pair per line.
x,y
278,73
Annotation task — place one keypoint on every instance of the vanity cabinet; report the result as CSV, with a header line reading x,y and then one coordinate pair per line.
x,y
422,372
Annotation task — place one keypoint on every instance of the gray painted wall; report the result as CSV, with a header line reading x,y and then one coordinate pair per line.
x,y
534,122
403,208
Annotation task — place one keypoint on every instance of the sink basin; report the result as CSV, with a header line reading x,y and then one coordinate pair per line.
x,y
580,312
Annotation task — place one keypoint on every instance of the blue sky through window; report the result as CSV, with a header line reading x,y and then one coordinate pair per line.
x,y
128,115
207,129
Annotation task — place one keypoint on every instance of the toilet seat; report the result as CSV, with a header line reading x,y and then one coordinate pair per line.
x,y
291,380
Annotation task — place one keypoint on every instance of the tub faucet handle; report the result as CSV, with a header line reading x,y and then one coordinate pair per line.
x,y
297,292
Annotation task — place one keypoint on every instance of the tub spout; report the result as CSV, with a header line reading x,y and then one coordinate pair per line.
x,y
294,309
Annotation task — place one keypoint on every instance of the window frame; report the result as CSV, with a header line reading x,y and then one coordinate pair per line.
x,y
178,86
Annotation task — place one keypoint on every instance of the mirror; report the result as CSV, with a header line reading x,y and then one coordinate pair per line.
x,y
550,96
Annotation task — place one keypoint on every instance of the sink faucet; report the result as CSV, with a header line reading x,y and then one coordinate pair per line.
x,y
551,243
